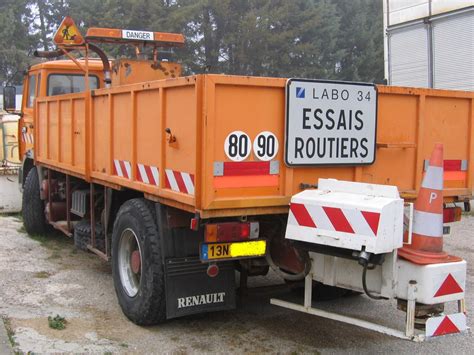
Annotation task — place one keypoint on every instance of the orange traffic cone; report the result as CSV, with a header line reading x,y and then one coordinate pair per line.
x,y
427,237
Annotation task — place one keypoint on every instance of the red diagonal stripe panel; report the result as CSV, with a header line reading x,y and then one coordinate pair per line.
x,y
372,219
446,327
180,182
167,182
149,174
246,168
338,220
138,174
448,287
124,169
302,215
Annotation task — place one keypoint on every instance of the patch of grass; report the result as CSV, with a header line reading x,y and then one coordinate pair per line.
x,y
16,215
123,345
58,322
10,332
41,238
41,275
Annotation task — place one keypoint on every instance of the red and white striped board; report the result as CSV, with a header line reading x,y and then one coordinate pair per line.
x,y
123,168
27,138
148,174
347,220
179,181
349,215
443,325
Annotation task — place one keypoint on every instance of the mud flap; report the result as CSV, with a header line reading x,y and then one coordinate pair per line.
x,y
189,290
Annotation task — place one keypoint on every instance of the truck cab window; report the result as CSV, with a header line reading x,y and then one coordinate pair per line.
x,y
60,84
31,90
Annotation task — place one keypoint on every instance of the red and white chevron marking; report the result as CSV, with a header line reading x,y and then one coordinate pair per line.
x,y
148,174
123,168
450,324
179,181
345,220
27,137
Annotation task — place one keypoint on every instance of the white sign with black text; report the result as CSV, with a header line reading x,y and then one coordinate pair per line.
x,y
330,123
138,35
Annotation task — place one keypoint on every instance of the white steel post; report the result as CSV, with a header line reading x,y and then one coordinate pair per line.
x,y
411,302
462,306
308,290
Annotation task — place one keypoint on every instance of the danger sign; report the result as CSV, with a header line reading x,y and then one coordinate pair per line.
x,y
68,33
138,35
330,123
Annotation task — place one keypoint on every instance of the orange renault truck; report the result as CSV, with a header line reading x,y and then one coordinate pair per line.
x,y
180,181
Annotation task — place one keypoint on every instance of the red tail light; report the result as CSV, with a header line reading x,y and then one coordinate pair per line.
x,y
231,231
452,214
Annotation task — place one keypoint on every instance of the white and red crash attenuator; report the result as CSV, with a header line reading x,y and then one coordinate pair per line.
x,y
348,215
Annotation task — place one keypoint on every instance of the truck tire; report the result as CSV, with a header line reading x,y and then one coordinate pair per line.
x,y
82,235
32,208
137,266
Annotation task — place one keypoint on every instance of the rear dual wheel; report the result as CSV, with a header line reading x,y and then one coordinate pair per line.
x,y
137,265
82,235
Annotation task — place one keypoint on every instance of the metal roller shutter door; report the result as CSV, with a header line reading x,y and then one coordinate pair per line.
x,y
408,53
453,52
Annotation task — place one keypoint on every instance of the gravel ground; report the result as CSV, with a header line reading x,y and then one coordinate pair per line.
x,y
41,277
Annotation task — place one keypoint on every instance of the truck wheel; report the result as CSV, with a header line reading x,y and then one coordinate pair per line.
x,y
137,265
82,235
32,209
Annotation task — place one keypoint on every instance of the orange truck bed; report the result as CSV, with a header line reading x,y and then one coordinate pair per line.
x,y
166,138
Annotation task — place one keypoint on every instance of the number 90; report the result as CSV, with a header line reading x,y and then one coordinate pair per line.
x,y
265,146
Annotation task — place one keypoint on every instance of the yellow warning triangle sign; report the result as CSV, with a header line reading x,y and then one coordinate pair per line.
x,y
68,33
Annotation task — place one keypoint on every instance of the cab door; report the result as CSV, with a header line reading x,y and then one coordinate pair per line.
x,y
26,128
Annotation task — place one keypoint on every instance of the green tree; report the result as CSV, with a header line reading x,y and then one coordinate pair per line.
x,y
332,39
361,40
14,41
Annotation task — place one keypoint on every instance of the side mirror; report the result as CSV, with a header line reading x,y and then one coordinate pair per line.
x,y
9,98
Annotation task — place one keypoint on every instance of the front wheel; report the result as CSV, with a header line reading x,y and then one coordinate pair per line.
x,y
32,208
137,265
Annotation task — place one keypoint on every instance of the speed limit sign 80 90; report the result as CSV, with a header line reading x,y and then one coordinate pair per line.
x,y
237,146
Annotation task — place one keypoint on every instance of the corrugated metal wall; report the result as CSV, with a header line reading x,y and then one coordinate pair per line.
x,y
453,52
435,52
408,51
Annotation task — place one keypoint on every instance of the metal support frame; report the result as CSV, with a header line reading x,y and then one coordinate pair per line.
x,y
409,334
93,247
68,203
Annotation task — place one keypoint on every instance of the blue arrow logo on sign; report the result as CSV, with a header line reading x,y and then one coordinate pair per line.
x,y
300,93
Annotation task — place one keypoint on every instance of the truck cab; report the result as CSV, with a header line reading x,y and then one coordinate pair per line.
x,y
50,78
